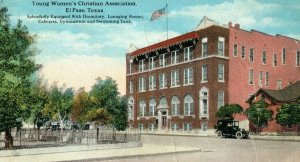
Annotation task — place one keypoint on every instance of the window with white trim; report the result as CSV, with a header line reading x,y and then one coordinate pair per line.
x,y
204,47
162,80
142,84
221,72
162,60
152,107
130,108
274,59
279,84
151,63
175,57
188,105
203,102
260,78
251,55
141,65
175,78
130,68
298,58
163,103
243,52
235,50
220,99
187,127
267,79
204,126
152,127
141,126
142,108
188,76
188,53
204,73
283,56
175,127
152,82
251,76
221,44
264,57
175,106
131,86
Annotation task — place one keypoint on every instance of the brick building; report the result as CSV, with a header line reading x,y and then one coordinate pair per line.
x,y
179,84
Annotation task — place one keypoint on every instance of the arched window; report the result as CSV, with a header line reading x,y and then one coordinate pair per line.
x,y
175,106
152,107
188,105
163,103
203,101
142,108
130,108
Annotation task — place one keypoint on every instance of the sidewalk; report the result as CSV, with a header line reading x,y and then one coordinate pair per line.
x,y
145,150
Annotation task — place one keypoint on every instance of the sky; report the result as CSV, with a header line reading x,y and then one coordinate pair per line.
x,y
77,54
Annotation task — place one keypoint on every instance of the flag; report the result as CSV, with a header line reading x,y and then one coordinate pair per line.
x,y
158,13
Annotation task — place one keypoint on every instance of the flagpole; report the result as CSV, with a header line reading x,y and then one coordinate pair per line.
x,y
167,21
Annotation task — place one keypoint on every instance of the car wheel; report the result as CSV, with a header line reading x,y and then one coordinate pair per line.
x,y
219,134
238,135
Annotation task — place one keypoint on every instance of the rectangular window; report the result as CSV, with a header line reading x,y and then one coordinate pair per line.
x,y
162,60
205,110
221,72
204,73
130,68
175,57
267,79
251,55
141,65
175,127
162,81
283,55
274,59
151,63
251,76
131,87
204,47
142,84
220,99
235,50
188,76
204,126
188,54
298,58
175,78
221,46
279,84
187,127
264,57
243,52
141,127
260,76
152,82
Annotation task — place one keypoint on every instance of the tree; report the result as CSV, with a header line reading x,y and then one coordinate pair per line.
x,y
59,103
106,95
16,66
81,105
258,114
288,114
229,111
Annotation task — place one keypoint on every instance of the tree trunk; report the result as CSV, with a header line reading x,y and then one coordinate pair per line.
x,y
97,135
8,139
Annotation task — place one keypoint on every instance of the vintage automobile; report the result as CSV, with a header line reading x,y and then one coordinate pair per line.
x,y
230,128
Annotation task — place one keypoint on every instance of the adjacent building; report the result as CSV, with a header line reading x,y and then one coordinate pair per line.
x,y
180,83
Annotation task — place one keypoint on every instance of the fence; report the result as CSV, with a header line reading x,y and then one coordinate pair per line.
x,y
32,138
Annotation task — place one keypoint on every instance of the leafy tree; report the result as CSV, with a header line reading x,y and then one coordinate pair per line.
x,y
81,105
288,114
16,66
229,111
258,114
59,104
106,95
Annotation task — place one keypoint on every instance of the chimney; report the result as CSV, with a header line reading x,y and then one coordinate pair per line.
x,y
230,24
237,26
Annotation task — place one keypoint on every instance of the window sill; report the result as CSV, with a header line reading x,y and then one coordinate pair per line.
x,y
204,81
188,84
163,88
152,89
189,116
142,91
175,86
221,81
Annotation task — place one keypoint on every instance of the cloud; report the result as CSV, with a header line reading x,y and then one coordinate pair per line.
x,y
82,71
